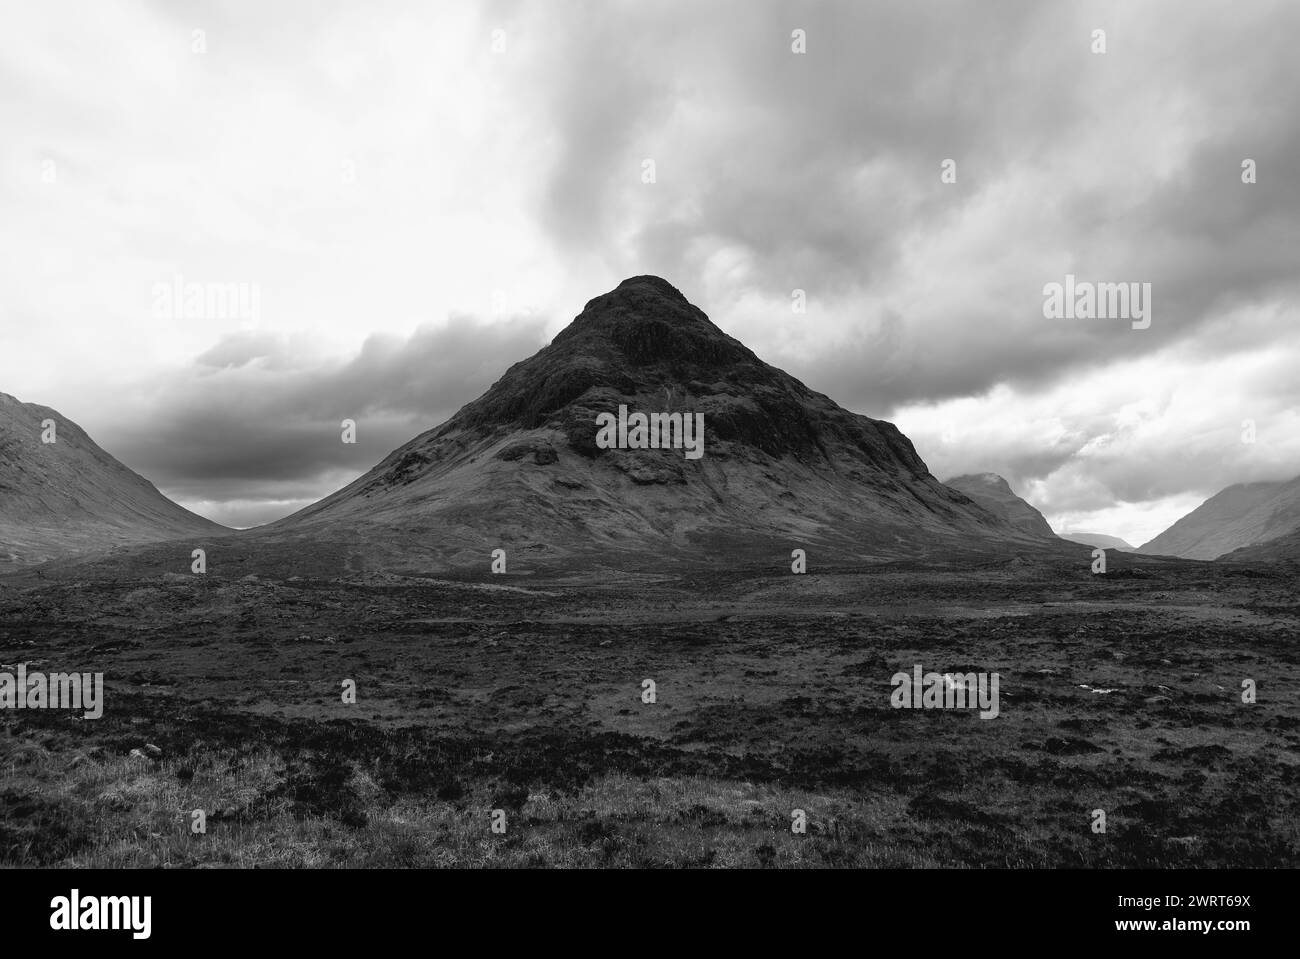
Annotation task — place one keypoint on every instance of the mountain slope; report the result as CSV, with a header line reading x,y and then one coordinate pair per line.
x,y
1242,515
70,496
1284,548
520,467
994,493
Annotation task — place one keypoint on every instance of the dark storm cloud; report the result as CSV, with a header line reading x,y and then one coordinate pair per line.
x,y
842,149
812,162
247,423
820,168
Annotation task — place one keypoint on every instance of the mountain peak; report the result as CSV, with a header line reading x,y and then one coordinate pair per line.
x,y
657,283
522,463
991,480
637,344
644,294
646,321
644,346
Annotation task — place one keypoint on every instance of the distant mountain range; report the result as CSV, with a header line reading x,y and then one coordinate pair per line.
x,y
993,492
1099,540
69,496
1249,521
528,468
551,464
1244,515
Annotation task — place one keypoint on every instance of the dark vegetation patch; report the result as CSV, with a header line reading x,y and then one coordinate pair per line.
x,y
37,832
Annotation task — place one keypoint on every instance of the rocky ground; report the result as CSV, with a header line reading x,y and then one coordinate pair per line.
x,y
524,693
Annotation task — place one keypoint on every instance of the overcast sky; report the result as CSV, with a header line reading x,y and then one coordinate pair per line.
x,y
424,193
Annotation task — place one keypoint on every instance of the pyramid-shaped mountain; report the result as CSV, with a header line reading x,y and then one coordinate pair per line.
x,y
524,467
69,496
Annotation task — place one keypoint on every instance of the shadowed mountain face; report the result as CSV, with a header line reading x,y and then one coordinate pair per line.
x,y
1243,515
995,494
1100,540
69,496
520,468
